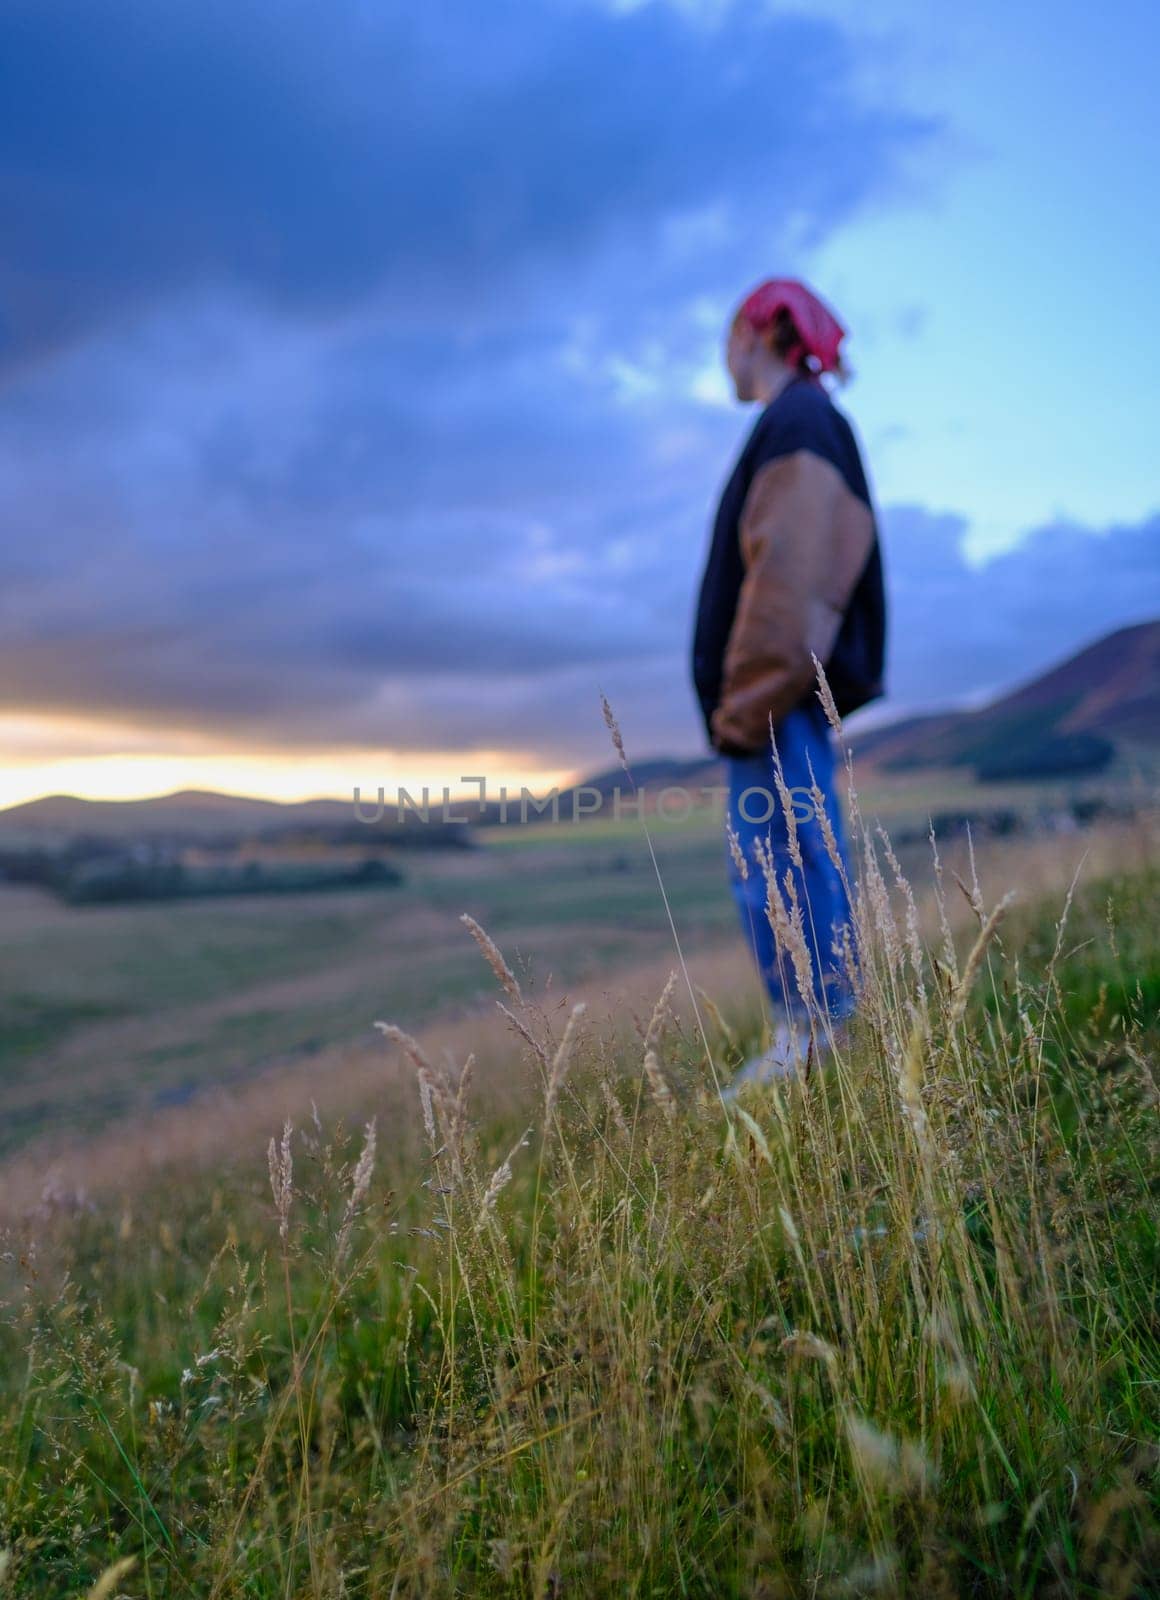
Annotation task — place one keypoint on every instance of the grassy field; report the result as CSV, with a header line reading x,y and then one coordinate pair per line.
x,y
108,1012
557,1321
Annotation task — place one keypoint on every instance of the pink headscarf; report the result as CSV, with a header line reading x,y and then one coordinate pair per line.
x,y
820,332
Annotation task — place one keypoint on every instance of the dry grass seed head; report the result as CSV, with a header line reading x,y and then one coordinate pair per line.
x,y
881,911
775,911
614,729
822,818
563,1060
786,802
825,695
808,1347
876,1454
975,959
714,1013
661,1014
662,1095
359,1187
803,964
527,1035
913,941
736,851
282,1177
500,1178
110,1579
493,957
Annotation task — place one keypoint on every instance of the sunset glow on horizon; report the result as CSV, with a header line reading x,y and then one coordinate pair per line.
x,y
131,768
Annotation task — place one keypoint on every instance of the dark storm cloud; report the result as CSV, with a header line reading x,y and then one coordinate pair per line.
x,y
345,351
441,156
268,611
485,606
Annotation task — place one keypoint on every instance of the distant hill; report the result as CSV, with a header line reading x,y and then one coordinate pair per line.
x,y
198,816
190,813
1071,718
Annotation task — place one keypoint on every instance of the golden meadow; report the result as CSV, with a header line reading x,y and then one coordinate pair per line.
x,y
547,1318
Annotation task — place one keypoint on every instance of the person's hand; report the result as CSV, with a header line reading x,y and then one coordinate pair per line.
x,y
724,747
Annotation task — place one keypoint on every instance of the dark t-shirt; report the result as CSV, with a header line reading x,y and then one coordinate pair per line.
x,y
801,416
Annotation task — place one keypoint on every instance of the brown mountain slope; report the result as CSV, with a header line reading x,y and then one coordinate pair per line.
x,y
1107,692
1112,687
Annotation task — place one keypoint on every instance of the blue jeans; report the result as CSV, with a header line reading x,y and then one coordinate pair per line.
x,y
803,733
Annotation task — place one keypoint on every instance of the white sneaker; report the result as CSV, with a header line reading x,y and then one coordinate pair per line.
x,y
785,1057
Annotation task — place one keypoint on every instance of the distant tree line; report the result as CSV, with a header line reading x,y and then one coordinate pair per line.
x,y
88,872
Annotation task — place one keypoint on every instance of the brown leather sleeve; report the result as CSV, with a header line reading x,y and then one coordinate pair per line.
x,y
805,537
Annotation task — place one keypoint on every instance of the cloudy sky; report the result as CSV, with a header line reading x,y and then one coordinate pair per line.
x,y
362,414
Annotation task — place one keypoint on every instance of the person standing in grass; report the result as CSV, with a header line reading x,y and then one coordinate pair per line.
x,y
794,570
